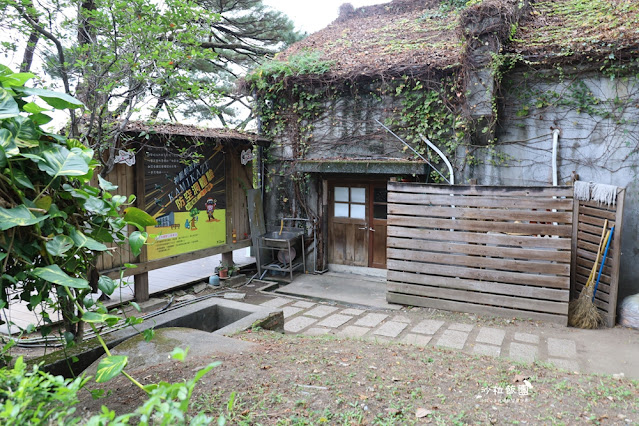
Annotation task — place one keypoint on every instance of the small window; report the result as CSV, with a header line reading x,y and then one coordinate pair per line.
x,y
350,202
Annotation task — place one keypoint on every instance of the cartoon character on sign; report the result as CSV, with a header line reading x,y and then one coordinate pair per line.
x,y
194,217
210,209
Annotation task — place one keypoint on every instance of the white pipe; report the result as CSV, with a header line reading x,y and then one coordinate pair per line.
x,y
555,144
443,157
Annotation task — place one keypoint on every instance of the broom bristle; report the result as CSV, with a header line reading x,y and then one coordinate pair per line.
x,y
583,313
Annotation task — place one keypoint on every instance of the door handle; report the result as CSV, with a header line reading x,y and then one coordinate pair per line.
x,y
365,228
371,229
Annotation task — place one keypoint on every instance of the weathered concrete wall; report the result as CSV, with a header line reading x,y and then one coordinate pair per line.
x,y
599,125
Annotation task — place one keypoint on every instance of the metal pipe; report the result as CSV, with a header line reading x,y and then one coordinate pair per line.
x,y
443,157
412,149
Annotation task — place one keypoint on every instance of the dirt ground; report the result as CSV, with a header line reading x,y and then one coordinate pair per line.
x,y
300,380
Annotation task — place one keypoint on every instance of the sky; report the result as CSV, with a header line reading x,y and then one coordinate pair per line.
x,y
311,16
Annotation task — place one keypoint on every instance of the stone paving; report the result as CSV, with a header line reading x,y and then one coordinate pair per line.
x,y
312,318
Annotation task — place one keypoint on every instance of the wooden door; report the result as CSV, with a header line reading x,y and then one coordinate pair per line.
x,y
348,235
377,226
357,224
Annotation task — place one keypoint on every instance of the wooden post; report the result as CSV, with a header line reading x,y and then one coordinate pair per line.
x,y
227,257
141,281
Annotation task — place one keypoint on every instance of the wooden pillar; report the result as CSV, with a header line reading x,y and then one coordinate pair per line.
x,y
227,257
141,281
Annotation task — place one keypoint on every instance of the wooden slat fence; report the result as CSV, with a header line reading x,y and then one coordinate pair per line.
x,y
493,250
588,225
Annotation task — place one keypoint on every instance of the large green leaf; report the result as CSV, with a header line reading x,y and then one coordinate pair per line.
x,y
138,217
40,119
18,216
96,317
16,79
24,131
34,108
55,99
8,106
110,367
136,241
55,275
21,179
59,161
81,240
7,143
107,285
106,185
59,245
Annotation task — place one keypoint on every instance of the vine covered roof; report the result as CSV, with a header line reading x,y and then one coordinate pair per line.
x,y
417,37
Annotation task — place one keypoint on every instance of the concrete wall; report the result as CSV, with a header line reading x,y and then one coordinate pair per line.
x,y
598,141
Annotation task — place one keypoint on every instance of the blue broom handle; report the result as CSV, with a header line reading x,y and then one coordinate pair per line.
x,y
612,231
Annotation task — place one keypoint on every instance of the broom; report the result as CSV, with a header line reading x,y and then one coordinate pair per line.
x,y
582,312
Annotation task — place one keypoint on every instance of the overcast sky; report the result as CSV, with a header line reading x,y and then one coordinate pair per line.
x,y
311,16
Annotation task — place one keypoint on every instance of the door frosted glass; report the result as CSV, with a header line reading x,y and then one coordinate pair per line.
x,y
358,211
341,209
358,195
341,194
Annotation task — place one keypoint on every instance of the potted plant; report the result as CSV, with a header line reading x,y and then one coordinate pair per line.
x,y
223,269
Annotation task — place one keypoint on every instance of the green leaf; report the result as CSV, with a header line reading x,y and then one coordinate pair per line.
x,y
7,143
59,161
107,285
16,79
40,119
105,185
59,245
130,265
33,108
55,275
24,131
136,241
95,317
44,203
21,179
18,216
55,99
8,106
205,370
148,334
138,217
110,367
179,353
136,306
81,240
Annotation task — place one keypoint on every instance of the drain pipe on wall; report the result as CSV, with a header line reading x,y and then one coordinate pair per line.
x,y
555,145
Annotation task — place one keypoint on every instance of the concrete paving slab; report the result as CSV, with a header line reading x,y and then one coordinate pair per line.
x,y
317,331
298,324
461,327
352,311
402,318
416,339
321,311
289,311
371,320
565,364
427,327
335,320
276,303
491,350
341,287
523,352
492,336
454,339
563,348
303,304
353,331
391,329
527,337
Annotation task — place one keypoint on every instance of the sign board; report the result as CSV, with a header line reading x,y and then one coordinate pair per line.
x,y
188,200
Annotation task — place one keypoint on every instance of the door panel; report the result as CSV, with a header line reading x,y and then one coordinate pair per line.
x,y
377,221
348,235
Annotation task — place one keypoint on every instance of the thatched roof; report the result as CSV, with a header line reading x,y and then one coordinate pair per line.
x,y
426,36
174,129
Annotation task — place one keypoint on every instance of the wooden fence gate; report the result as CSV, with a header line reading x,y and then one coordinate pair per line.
x,y
493,250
